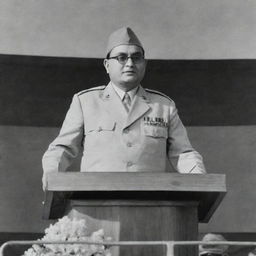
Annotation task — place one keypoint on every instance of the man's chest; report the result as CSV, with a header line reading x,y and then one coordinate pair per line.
x,y
154,121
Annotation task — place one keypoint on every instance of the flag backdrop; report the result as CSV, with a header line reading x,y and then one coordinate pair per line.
x,y
216,100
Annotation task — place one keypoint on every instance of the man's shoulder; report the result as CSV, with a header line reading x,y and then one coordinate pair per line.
x,y
159,95
91,90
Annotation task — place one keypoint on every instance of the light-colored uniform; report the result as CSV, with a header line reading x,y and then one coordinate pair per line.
x,y
113,140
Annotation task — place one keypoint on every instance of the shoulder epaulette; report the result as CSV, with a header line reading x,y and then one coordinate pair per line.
x,y
159,93
98,88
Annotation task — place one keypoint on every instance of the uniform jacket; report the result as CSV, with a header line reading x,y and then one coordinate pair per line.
x,y
113,140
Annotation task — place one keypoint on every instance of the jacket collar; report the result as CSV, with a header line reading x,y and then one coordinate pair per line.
x,y
109,93
114,105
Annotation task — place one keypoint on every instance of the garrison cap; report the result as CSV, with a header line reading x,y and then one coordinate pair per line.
x,y
123,36
216,249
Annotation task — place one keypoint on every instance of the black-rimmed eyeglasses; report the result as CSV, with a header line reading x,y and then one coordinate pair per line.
x,y
123,58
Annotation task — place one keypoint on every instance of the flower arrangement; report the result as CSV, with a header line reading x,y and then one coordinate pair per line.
x,y
69,230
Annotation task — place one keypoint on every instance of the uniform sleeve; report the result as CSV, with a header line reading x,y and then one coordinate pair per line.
x,y
181,154
67,145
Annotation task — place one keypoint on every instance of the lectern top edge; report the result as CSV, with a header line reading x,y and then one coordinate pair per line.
x,y
207,189
136,182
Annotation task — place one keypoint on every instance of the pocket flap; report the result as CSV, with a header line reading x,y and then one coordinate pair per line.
x,y
99,127
154,131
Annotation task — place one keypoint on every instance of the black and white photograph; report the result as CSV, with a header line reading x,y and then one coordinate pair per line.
x,y
128,128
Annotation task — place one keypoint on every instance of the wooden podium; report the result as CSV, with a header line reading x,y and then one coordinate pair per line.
x,y
141,206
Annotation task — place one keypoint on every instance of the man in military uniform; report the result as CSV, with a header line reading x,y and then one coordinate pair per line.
x,y
123,127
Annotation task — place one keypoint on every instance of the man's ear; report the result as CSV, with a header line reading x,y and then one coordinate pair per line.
x,y
106,64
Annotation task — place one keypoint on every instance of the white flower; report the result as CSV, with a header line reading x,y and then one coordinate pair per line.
x,y
67,229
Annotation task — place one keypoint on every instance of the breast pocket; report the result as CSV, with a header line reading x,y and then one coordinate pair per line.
x,y
100,127
155,131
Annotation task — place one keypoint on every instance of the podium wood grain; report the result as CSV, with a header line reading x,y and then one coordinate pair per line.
x,y
149,206
140,221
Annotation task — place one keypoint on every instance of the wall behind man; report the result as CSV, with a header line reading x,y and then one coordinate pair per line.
x,y
169,29
185,29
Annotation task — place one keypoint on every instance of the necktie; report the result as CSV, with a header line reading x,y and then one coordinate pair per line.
x,y
127,102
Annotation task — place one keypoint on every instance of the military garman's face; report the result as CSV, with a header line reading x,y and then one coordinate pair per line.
x,y
126,73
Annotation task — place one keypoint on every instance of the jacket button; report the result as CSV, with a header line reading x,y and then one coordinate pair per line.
x,y
129,164
129,144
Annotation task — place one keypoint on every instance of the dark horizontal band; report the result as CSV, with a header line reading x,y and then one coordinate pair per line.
x,y
37,91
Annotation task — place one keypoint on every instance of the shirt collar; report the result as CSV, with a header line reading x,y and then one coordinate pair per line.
x,y
121,93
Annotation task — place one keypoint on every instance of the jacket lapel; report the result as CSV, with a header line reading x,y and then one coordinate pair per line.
x,y
139,107
113,105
